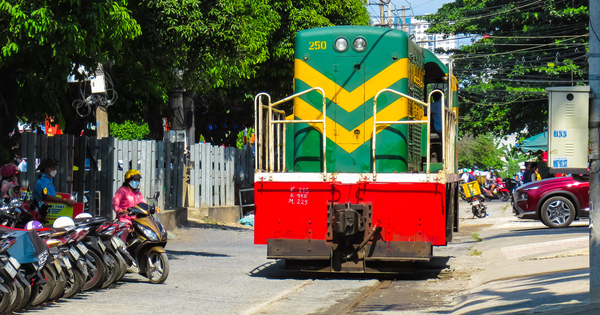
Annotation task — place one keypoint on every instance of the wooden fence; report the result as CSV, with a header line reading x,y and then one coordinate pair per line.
x,y
91,165
217,173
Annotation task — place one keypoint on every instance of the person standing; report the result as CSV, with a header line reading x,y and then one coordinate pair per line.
x,y
533,173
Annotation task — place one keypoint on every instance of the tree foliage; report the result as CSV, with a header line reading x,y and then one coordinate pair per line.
x,y
129,130
223,112
224,51
42,42
481,151
519,49
512,158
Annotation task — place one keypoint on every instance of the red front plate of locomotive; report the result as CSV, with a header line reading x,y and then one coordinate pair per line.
x,y
298,210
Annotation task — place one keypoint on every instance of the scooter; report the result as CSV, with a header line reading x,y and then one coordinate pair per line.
x,y
146,244
477,206
501,190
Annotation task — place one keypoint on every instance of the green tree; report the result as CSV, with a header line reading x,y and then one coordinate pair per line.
x,y
481,151
231,109
519,49
42,42
129,130
512,158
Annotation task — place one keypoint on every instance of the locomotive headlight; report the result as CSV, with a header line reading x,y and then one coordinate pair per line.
x,y
341,44
360,44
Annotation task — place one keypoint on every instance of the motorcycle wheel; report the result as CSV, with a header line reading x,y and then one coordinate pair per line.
x,y
5,298
26,295
124,266
157,269
475,211
18,292
482,212
97,274
113,271
74,283
505,196
41,292
61,283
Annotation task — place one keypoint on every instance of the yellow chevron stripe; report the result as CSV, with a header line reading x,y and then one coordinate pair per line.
x,y
352,100
346,138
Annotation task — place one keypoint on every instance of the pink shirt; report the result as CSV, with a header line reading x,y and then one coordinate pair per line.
x,y
126,198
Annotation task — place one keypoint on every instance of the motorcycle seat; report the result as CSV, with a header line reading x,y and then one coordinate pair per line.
x,y
90,221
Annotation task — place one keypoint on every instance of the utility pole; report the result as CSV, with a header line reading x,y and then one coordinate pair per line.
x,y
382,11
101,122
594,158
403,19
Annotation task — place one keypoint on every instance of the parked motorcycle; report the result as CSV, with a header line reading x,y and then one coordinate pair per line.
x,y
478,207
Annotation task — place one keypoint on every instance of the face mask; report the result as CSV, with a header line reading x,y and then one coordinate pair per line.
x,y
53,173
134,184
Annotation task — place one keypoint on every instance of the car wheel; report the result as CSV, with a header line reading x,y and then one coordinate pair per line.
x,y
557,212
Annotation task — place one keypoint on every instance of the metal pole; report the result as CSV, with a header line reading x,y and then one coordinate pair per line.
x,y
382,11
594,124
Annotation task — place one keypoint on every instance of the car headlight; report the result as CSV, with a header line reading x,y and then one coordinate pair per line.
x,y
360,44
341,44
532,188
523,196
151,235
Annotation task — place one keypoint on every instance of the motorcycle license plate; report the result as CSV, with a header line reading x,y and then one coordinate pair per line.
x,y
476,202
11,270
67,262
57,265
82,248
74,252
101,244
14,262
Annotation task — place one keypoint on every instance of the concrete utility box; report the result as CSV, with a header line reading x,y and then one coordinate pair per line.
x,y
568,132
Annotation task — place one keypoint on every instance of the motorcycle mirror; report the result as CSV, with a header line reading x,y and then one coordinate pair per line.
x,y
16,189
156,195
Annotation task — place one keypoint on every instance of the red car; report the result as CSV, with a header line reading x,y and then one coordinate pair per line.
x,y
555,201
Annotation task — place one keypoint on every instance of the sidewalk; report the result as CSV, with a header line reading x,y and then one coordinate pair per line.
x,y
530,269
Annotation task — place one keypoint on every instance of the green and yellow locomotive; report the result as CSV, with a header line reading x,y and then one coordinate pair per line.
x,y
362,174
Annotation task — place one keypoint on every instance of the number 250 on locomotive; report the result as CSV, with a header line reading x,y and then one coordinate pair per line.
x,y
357,171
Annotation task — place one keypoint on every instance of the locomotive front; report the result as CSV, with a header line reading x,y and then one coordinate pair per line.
x,y
357,178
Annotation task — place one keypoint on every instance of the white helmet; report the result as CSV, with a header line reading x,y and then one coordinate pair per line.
x,y
83,215
63,223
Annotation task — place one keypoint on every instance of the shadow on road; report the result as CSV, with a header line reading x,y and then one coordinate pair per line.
x,y
419,271
213,226
174,254
525,293
537,231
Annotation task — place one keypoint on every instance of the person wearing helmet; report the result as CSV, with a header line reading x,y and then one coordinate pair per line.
x,y
490,180
465,175
10,186
129,194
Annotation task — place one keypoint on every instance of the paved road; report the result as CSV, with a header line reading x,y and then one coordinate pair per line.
x,y
218,270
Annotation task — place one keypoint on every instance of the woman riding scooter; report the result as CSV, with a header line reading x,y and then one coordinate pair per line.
x,y
126,197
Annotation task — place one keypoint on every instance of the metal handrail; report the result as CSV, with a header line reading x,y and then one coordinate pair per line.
x,y
405,122
258,122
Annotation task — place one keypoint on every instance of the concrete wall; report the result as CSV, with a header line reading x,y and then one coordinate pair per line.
x,y
170,219
224,214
